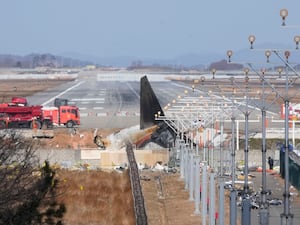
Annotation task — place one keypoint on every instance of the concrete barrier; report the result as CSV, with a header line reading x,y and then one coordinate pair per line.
x,y
99,158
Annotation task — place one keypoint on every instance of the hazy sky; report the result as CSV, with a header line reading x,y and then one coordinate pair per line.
x,y
142,28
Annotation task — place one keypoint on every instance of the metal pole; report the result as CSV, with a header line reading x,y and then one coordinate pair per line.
x,y
293,132
211,200
197,184
237,136
233,194
264,207
191,177
204,144
186,168
207,147
211,150
286,216
204,193
221,202
221,147
246,207
212,164
197,141
181,147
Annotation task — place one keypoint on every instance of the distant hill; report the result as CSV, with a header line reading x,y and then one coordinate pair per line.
x,y
224,65
192,61
184,62
197,61
39,60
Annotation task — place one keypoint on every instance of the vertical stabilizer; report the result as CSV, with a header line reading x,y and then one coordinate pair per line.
x,y
149,105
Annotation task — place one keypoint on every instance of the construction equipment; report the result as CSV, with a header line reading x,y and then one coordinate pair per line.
x,y
17,114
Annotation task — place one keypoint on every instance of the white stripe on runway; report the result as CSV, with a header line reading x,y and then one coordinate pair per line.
x,y
87,99
52,99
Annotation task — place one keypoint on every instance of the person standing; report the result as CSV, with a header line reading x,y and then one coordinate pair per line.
x,y
271,163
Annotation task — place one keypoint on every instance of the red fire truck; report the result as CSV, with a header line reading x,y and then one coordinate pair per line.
x,y
62,113
17,114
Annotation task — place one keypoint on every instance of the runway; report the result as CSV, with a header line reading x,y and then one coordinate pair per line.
x,y
107,103
112,99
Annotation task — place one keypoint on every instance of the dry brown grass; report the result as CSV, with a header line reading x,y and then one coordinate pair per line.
x,y
26,87
96,197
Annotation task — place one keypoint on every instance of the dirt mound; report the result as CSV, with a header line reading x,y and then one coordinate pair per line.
x,y
65,138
